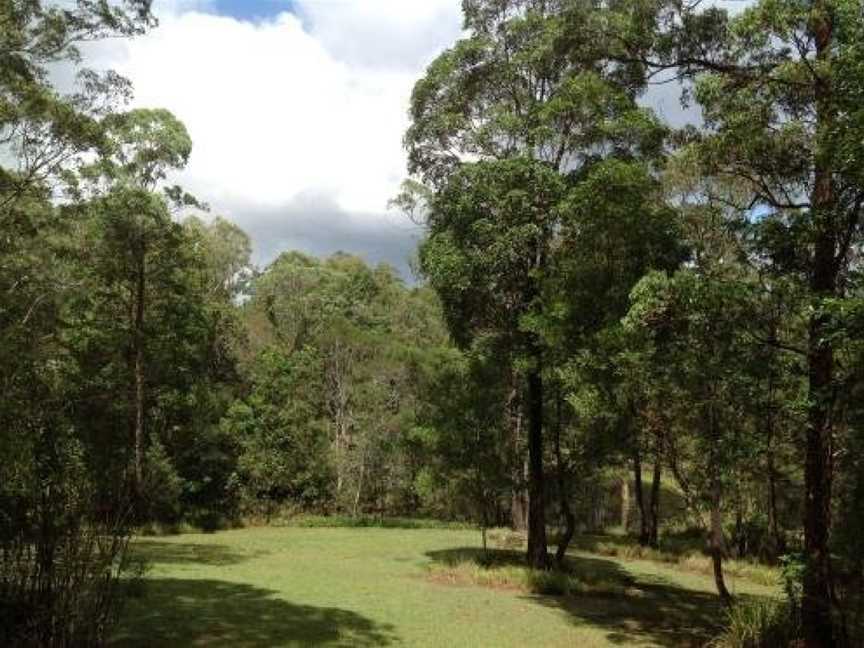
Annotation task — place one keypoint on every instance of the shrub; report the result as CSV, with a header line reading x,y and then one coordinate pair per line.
x,y
61,565
760,624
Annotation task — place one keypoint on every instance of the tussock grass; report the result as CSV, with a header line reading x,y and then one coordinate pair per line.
x,y
765,623
503,569
681,556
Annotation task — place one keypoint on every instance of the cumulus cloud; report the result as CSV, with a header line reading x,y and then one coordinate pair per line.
x,y
294,105
297,115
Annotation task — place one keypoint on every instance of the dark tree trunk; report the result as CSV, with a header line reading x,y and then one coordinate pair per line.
x,y
777,542
717,552
563,490
625,504
644,531
816,600
537,557
717,545
518,496
654,527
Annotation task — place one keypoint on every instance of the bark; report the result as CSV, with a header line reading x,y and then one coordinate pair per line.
x,y
654,526
717,544
518,499
359,491
563,491
625,504
537,557
644,532
816,600
778,542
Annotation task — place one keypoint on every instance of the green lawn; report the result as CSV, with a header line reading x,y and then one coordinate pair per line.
x,y
374,587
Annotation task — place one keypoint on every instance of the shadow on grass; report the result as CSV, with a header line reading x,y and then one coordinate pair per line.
x,y
588,569
647,609
175,612
175,553
673,546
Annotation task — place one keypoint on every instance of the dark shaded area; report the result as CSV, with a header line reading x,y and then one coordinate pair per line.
x,y
177,612
656,612
651,609
173,553
589,570
674,545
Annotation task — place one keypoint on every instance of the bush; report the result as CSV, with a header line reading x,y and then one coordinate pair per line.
x,y
163,487
760,624
61,565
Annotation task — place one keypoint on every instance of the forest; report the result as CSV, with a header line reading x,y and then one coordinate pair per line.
x,y
630,350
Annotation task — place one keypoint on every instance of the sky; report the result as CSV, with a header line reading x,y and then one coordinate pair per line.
x,y
296,109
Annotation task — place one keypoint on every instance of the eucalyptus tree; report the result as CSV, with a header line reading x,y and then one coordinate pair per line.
x,y
512,106
43,129
780,86
137,241
68,594
692,318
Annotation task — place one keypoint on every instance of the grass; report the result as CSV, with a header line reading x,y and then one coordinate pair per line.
x,y
318,586
685,555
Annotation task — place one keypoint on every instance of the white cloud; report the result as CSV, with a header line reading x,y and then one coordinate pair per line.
x,y
306,103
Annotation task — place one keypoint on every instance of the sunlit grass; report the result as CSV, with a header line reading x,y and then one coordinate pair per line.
x,y
317,586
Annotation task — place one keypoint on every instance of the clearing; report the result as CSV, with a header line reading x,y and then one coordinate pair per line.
x,y
293,586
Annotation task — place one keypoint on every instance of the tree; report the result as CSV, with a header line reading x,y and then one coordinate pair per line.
x,y
780,87
695,317
139,239
513,94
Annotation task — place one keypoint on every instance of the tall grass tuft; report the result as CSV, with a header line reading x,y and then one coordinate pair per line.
x,y
769,623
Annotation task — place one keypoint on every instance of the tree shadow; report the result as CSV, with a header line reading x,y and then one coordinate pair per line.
x,y
633,609
672,545
176,612
175,553
653,612
589,570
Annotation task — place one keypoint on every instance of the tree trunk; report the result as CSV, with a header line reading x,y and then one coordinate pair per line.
x,y
359,491
717,545
644,532
537,557
563,490
138,359
654,526
778,543
518,499
816,599
625,504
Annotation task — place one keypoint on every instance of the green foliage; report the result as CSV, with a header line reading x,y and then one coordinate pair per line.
x,y
283,450
759,624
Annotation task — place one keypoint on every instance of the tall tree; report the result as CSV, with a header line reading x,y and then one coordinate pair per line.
x,y
512,94
141,147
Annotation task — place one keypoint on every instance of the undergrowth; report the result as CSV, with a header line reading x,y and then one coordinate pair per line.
x,y
498,569
346,521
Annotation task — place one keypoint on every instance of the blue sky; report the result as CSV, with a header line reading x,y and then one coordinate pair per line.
x,y
253,10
